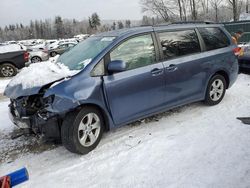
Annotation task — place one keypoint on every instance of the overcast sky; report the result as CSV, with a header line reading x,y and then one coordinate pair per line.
x,y
22,11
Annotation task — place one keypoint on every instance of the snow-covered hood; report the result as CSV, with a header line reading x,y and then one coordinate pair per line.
x,y
31,79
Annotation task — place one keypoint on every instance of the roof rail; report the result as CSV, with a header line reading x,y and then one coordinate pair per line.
x,y
194,22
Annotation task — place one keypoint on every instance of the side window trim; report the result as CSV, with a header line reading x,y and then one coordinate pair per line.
x,y
201,41
93,73
161,56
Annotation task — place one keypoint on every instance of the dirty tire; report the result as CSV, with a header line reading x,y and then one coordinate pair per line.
x,y
53,54
36,59
70,132
7,70
215,90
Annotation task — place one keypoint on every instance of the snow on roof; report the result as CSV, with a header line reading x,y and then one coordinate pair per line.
x,y
10,48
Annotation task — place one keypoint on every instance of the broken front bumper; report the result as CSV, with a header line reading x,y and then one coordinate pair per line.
x,y
47,125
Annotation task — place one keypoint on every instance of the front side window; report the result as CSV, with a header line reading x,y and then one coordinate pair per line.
x,y
179,43
214,38
135,52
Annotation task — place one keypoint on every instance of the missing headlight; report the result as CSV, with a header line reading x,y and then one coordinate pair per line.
x,y
48,100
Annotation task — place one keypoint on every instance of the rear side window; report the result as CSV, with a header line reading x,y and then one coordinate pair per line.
x,y
179,43
214,38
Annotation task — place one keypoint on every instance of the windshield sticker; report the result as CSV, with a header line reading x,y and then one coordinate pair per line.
x,y
107,39
85,62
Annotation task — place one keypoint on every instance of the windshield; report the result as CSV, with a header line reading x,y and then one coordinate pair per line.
x,y
81,55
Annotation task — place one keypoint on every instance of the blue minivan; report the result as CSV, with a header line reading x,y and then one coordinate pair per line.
x,y
126,75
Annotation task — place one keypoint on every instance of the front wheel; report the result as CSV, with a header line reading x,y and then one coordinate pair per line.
x,y
82,131
215,90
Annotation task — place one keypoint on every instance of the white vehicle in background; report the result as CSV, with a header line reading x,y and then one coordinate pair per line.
x,y
61,48
11,42
51,41
60,42
38,55
81,37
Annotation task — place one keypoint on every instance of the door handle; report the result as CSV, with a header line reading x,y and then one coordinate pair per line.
x,y
172,68
156,72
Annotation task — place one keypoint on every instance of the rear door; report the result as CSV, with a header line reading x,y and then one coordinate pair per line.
x,y
139,90
183,64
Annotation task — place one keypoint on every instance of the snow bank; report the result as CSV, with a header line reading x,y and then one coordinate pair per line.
x,y
6,125
3,84
10,48
39,74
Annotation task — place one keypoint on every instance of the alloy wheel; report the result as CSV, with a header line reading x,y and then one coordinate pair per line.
x,y
216,90
7,71
89,129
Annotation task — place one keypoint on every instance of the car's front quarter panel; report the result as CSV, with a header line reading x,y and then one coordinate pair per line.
x,y
75,92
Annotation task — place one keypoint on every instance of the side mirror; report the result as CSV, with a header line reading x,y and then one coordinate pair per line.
x,y
116,66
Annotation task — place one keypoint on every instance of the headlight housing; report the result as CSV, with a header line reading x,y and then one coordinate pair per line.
x,y
48,100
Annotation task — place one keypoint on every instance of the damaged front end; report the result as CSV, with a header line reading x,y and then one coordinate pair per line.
x,y
30,113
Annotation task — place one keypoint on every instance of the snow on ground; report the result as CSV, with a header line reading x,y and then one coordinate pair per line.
x,y
191,146
3,83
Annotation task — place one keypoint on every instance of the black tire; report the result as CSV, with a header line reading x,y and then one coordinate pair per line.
x,y
36,59
70,130
7,70
215,95
53,54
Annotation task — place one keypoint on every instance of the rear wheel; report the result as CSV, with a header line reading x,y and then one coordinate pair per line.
x,y
82,131
8,70
215,90
36,59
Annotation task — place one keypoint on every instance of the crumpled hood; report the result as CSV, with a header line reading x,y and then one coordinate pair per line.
x,y
16,91
31,79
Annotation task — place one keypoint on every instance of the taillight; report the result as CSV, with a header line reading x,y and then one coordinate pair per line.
x,y
45,51
26,56
237,51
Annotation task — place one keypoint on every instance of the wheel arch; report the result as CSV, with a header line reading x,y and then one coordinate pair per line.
x,y
35,56
103,112
220,72
225,75
8,62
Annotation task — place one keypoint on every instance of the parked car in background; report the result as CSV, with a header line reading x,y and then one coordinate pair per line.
x,y
12,58
61,48
245,46
81,37
126,75
38,55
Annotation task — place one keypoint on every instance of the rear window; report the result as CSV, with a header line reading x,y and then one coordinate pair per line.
x,y
214,38
179,43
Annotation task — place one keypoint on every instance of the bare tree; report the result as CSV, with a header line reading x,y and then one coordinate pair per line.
x,y
193,9
236,6
163,9
216,4
180,9
205,7
184,4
